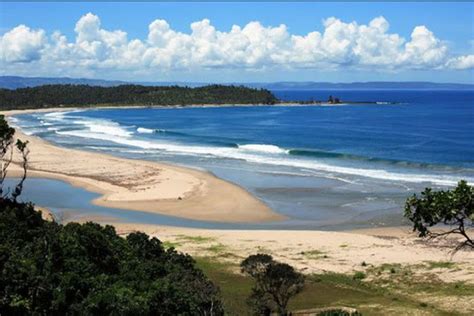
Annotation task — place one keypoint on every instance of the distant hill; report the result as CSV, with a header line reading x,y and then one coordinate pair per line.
x,y
362,86
14,82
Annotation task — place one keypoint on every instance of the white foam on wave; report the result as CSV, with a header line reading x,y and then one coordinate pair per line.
x,y
106,127
56,116
263,148
254,153
143,130
259,157
93,125
43,123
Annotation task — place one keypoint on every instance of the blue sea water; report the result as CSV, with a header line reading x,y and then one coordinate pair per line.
x,y
322,166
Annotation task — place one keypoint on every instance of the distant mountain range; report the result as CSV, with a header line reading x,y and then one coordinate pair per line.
x,y
376,85
14,82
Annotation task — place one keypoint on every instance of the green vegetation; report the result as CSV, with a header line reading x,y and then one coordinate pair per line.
x,y
275,284
398,294
314,254
195,239
359,275
216,248
454,208
169,244
441,265
50,269
84,95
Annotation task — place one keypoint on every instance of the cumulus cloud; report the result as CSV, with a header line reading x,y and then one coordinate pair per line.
x,y
462,62
252,46
21,44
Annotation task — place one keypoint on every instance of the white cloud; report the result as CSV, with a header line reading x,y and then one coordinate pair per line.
x,y
252,46
461,62
21,44
425,49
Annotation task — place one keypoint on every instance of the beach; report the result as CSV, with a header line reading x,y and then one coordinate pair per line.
x,y
314,252
144,186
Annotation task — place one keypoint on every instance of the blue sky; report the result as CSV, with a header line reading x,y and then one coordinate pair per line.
x,y
442,51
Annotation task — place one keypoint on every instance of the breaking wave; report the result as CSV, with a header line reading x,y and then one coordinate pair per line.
x,y
268,154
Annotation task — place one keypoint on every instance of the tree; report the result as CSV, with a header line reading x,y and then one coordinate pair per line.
x,y
454,208
24,151
275,284
6,156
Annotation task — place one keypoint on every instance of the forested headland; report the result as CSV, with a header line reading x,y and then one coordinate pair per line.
x,y
84,95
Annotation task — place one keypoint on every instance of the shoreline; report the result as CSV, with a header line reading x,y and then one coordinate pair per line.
x,y
140,185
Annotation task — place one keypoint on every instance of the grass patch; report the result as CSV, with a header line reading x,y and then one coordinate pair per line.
x,y
440,264
391,269
170,244
322,290
216,248
314,254
359,275
195,239
230,255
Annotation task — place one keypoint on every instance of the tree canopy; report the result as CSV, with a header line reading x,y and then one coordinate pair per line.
x,y
52,269
85,95
275,284
454,208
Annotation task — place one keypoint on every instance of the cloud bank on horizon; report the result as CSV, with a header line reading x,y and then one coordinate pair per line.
x,y
253,47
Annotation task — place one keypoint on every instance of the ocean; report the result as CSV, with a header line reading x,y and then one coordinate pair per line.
x,y
325,167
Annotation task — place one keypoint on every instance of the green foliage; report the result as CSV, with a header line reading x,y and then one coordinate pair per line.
x,y
51,269
372,297
441,264
84,95
7,147
6,135
359,275
275,284
452,207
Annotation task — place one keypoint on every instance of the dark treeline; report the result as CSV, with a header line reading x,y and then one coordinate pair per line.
x,y
52,269
85,95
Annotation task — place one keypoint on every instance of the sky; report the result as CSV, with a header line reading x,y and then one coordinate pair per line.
x,y
239,42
